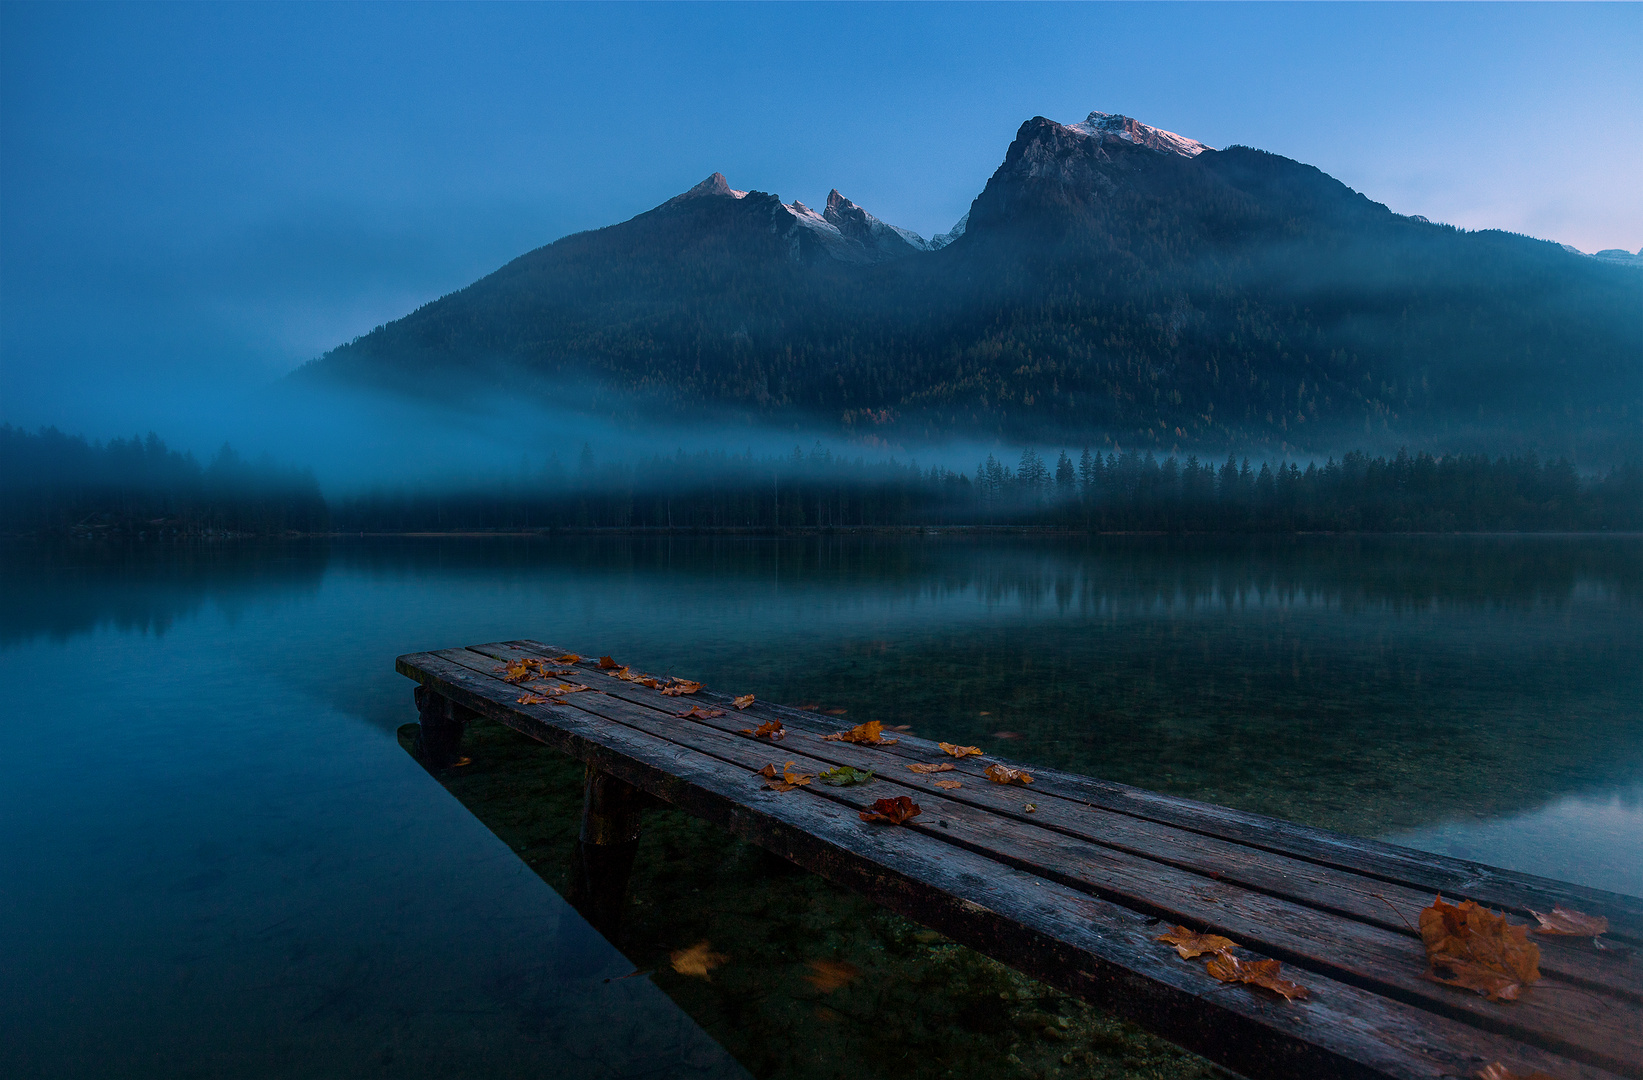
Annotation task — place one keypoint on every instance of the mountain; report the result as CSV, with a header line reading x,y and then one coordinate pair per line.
x,y
1113,283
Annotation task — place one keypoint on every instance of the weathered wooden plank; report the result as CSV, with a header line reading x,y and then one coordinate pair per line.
x,y
1388,905
1080,943
1496,887
1566,1018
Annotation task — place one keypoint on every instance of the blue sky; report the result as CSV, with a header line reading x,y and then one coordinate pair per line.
x,y
195,199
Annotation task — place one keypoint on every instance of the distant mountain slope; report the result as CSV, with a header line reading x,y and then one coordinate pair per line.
x,y
1112,282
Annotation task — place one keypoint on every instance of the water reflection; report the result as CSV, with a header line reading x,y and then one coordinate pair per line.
x,y
217,843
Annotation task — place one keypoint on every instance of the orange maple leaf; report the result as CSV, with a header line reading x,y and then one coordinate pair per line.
x,y
1190,943
1003,774
697,960
926,767
960,751
698,713
1472,947
870,733
1499,1071
770,729
1570,922
743,702
828,975
789,780
1263,973
894,811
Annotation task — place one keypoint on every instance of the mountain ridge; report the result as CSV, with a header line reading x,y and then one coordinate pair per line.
x,y
1112,282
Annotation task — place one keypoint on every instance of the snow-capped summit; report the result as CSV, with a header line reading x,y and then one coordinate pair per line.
x,y
1106,126
713,185
888,241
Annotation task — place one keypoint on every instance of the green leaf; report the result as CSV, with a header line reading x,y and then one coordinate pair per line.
x,y
846,776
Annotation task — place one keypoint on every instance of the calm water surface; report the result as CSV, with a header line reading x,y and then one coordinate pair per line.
x,y
220,862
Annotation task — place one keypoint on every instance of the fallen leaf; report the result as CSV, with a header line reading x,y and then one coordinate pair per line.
x,y
960,751
743,702
948,784
1472,947
698,713
1498,1071
788,780
697,960
846,776
770,729
894,811
930,767
676,687
515,671
568,688
568,658
1003,774
1190,943
606,663
1570,922
871,733
828,975
533,699
1263,973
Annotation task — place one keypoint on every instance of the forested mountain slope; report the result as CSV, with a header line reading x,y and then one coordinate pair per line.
x,y
1112,283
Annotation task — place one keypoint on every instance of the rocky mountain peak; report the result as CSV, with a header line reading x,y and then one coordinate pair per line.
x,y
715,185
1106,126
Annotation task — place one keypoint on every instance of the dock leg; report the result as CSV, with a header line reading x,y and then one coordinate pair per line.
x,y
442,724
605,849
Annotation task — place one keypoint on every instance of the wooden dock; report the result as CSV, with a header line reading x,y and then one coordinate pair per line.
x,y
1073,880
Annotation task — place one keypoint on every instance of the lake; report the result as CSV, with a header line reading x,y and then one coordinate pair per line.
x,y
220,861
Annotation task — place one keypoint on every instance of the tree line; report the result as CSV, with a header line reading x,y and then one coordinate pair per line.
x,y
55,484
63,485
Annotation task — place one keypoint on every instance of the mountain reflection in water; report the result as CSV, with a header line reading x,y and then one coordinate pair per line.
x,y
219,846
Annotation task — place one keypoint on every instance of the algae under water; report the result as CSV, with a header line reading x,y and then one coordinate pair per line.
x,y
222,861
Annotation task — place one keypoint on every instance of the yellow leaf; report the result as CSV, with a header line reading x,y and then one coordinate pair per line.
x,y
870,733
923,767
697,960
948,783
960,751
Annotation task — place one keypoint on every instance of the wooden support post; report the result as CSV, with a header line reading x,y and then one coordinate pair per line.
x,y
605,848
442,724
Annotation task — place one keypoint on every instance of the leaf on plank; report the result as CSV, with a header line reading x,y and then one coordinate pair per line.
x,y
696,712
1263,973
568,688
846,776
533,699
949,784
870,734
1003,774
697,960
828,975
785,780
607,664
770,729
930,767
1190,943
1569,922
896,811
1499,1071
743,702
1469,946
960,751
676,687
568,658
